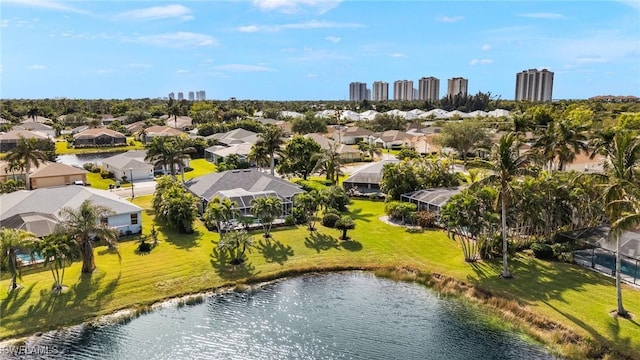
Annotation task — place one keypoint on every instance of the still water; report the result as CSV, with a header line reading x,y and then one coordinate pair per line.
x,y
81,159
335,316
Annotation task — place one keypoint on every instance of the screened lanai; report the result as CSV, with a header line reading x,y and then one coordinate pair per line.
x,y
244,200
430,199
600,252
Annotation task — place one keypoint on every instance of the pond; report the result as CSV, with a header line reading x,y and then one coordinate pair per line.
x,y
81,159
350,315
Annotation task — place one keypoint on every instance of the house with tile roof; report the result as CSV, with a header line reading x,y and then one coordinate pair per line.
x,y
99,137
54,174
9,140
41,128
130,163
242,186
159,130
39,211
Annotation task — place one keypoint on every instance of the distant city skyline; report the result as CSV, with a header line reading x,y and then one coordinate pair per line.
x,y
311,49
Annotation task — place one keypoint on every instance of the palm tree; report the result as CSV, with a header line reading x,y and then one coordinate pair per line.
x,y
219,212
58,251
165,152
183,148
267,209
10,241
601,141
310,203
259,155
345,223
236,243
85,224
330,164
622,194
561,141
27,153
271,140
505,163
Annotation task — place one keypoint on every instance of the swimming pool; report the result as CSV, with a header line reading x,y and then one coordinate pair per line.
x,y
26,259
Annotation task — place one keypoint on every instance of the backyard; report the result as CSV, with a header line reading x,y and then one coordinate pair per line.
x,y
567,294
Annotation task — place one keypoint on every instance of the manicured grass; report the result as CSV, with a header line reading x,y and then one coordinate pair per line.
x,y
568,294
200,167
98,182
62,148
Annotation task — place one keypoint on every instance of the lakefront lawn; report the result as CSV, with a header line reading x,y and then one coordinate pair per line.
x,y
566,294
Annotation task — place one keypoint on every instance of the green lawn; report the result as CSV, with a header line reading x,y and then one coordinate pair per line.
x,y
62,148
182,264
200,167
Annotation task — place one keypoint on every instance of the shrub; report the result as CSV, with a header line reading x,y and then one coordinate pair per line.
x,y
106,174
330,220
289,220
331,211
399,210
299,215
144,247
542,251
426,219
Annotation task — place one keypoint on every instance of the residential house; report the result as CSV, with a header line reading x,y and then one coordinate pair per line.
x,y
39,211
182,123
134,127
7,173
367,179
41,128
54,174
217,153
347,153
38,119
389,139
9,140
423,144
159,130
234,137
99,137
130,163
352,135
242,186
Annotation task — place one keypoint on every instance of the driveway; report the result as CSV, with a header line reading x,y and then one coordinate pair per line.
x,y
143,187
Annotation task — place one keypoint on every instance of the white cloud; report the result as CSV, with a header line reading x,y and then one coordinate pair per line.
x,y
591,60
486,47
46,4
481,62
5,23
633,3
296,6
243,68
37,67
182,71
333,39
157,12
449,19
180,39
103,71
398,55
313,24
549,16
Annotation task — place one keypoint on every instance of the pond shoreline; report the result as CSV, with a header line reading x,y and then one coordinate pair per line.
x,y
556,337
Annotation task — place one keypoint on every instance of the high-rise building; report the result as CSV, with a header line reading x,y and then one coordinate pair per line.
x,y
380,91
358,91
403,90
180,96
200,95
457,86
172,96
191,96
429,89
534,85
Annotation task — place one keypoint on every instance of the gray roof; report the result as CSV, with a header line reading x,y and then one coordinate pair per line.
x,y
133,159
17,134
41,206
235,136
253,181
435,197
371,174
32,126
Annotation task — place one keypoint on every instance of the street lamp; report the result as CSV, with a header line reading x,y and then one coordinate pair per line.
x,y
131,179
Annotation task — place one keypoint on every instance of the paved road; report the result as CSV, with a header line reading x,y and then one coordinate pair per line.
x,y
145,187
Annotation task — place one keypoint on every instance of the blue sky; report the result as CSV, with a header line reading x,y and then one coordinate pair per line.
x,y
311,49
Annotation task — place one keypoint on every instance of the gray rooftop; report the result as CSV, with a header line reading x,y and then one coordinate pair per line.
x,y
371,174
43,205
434,197
133,159
207,186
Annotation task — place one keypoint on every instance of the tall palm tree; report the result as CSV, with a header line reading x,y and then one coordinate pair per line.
x,y
259,155
561,142
271,140
10,241
601,141
330,164
58,251
165,152
83,225
267,209
183,148
505,163
27,153
310,203
622,195
219,212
